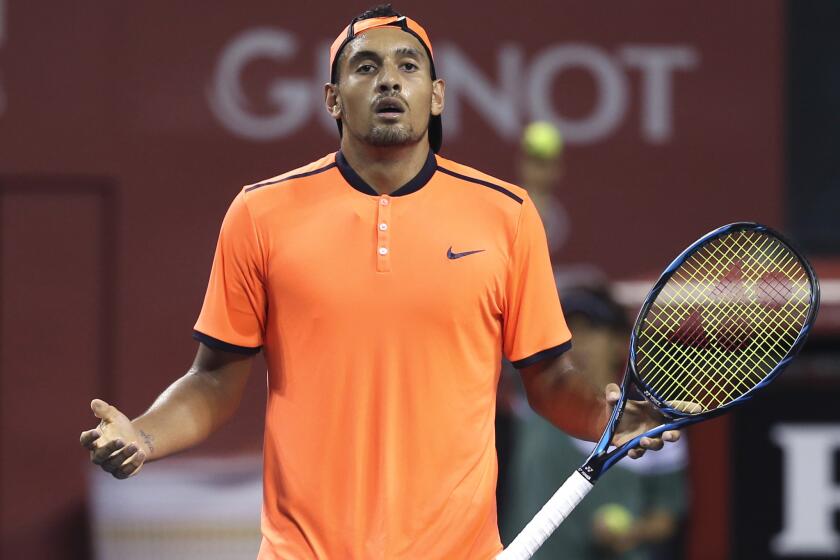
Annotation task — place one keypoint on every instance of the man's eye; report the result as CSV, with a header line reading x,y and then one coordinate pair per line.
x,y
410,66
365,68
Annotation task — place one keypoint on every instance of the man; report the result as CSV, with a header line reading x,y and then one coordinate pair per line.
x,y
634,512
383,282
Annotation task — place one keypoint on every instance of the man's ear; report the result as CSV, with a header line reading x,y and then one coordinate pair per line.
x,y
438,90
332,100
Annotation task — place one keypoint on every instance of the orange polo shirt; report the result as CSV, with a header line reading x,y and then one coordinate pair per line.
x,y
383,319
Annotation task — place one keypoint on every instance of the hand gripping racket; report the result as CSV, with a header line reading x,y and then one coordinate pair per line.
x,y
723,320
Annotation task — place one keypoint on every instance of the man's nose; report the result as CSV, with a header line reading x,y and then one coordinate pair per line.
x,y
389,80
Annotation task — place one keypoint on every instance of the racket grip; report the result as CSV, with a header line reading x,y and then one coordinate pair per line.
x,y
547,519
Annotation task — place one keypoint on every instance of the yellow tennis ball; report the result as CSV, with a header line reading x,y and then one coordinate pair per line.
x,y
543,140
616,517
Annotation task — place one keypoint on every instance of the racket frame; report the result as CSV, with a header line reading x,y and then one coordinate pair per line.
x,y
601,457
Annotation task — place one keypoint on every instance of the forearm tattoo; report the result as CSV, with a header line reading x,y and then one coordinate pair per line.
x,y
149,439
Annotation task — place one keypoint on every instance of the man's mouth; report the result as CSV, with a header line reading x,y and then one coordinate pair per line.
x,y
389,108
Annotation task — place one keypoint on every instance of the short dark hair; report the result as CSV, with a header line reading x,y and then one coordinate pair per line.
x,y
596,304
381,10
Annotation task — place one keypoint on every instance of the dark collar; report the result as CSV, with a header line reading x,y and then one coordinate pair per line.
x,y
414,185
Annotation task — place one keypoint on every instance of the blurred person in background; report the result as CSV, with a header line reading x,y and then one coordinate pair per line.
x,y
384,283
541,170
634,512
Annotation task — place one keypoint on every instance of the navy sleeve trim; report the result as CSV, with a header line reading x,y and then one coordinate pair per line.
x,y
544,355
224,346
482,182
284,179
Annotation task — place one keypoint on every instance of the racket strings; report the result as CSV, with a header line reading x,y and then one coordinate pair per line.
x,y
769,320
793,310
731,289
697,337
694,385
723,321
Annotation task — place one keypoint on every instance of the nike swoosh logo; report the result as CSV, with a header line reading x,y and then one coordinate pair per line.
x,y
452,256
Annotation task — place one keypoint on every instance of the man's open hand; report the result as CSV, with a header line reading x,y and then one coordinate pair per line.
x,y
115,444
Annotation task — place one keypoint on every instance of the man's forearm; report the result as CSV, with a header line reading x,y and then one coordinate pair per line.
x,y
186,413
560,393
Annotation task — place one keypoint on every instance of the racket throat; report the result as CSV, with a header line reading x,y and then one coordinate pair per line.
x,y
597,462
593,468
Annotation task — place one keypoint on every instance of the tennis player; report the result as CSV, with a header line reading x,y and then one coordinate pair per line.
x,y
383,282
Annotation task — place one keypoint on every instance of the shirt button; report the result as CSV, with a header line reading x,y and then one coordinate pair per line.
x,y
383,201
383,226
383,251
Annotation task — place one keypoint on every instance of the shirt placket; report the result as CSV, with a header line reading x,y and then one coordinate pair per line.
x,y
383,234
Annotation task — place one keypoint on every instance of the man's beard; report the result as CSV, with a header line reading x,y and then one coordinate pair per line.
x,y
383,136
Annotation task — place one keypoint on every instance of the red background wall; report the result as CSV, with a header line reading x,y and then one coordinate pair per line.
x,y
115,172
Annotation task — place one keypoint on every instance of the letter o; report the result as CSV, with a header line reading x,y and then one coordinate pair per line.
x,y
611,85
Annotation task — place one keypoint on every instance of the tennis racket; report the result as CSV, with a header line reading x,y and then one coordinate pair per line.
x,y
723,320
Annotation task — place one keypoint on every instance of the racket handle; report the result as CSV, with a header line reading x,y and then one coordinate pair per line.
x,y
547,519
